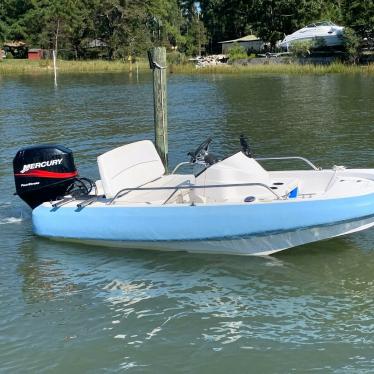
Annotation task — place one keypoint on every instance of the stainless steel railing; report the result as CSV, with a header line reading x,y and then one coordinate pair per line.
x,y
308,162
124,191
289,158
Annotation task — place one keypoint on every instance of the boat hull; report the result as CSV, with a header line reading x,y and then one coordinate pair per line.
x,y
256,245
245,229
328,40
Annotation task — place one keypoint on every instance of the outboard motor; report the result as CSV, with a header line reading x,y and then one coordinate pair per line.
x,y
43,173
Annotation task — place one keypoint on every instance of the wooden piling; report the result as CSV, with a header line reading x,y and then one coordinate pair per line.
x,y
160,103
54,54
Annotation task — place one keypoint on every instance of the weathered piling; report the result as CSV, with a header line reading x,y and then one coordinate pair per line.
x,y
158,65
54,54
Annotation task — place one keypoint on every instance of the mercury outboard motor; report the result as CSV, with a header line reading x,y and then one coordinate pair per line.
x,y
43,173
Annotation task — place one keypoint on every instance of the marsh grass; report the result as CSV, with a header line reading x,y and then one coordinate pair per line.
x,y
335,68
99,66
46,66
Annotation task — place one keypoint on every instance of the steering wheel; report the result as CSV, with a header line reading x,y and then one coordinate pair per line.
x,y
199,153
80,186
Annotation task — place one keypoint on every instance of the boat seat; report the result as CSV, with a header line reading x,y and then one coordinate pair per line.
x,y
131,165
161,196
99,190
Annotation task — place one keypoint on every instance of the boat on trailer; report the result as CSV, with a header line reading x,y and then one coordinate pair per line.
x,y
231,206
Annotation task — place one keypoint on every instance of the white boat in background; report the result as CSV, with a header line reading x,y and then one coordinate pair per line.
x,y
324,32
232,206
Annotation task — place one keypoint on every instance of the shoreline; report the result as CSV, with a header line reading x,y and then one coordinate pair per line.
x,y
289,68
27,67
44,67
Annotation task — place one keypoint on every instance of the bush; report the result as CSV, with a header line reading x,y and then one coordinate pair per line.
x,y
301,48
351,44
237,52
176,58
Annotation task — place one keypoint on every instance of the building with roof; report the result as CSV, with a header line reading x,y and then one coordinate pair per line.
x,y
17,49
251,43
35,54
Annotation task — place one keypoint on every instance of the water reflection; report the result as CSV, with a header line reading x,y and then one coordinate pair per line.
x,y
139,302
43,279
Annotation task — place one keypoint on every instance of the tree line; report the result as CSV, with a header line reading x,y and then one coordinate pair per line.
x,y
273,19
130,27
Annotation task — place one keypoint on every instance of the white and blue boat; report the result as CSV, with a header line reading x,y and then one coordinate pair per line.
x,y
232,206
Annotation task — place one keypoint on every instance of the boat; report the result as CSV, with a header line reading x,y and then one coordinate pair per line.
x,y
323,34
229,206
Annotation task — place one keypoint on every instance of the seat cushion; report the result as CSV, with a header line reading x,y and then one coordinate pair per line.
x,y
131,165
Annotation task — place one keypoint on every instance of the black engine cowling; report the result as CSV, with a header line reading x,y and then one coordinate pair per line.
x,y
43,173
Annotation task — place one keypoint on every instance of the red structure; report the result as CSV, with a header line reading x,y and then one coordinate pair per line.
x,y
35,54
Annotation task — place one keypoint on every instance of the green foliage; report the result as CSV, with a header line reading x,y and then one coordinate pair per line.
x,y
272,19
195,38
351,44
123,27
301,48
176,58
237,52
359,15
130,27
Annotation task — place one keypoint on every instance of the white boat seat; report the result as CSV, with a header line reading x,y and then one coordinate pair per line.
x,y
131,165
160,196
99,190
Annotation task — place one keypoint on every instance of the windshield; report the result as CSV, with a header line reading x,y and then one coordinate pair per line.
x,y
321,23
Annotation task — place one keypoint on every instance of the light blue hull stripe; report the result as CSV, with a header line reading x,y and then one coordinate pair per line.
x,y
200,222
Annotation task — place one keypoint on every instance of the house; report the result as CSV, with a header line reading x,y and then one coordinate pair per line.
x,y
97,43
17,49
96,48
251,43
35,54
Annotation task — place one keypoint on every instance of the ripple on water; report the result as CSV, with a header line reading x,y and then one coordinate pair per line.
x,y
72,308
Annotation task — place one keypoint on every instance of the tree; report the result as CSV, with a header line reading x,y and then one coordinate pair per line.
x,y
11,13
272,19
192,29
359,15
351,44
269,19
226,20
121,25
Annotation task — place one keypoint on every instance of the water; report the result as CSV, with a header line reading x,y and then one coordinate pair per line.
x,y
67,308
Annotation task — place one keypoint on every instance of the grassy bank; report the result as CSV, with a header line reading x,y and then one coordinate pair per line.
x,y
46,66
16,67
335,68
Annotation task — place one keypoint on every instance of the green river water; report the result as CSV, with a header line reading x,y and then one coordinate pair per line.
x,y
69,308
